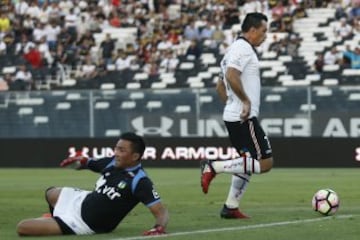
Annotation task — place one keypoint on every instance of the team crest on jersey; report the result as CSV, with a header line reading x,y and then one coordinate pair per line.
x,y
122,185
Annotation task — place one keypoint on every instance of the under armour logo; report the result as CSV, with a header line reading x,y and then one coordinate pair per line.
x,y
162,130
74,153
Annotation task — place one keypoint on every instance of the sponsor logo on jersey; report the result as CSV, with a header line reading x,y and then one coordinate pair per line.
x,y
122,185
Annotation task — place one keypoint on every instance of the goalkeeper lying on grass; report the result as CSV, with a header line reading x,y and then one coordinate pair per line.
x,y
121,186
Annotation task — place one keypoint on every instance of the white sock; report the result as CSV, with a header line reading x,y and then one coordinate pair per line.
x,y
237,189
241,165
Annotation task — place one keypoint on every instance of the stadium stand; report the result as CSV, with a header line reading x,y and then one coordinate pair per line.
x,y
76,81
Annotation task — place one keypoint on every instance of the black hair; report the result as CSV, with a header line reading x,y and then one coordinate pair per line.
x,y
137,142
253,20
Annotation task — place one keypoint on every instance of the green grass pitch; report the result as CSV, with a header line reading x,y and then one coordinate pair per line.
x,y
279,203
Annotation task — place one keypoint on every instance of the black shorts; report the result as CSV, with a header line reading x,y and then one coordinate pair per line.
x,y
64,228
249,136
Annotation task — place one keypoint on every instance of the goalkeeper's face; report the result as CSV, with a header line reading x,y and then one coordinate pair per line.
x,y
124,155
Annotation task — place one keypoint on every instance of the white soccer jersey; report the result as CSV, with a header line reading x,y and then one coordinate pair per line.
x,y
242,57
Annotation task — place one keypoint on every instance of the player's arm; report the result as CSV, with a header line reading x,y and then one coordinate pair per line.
x,y
233,77
81,162
76,162
221,88
161,219
145,192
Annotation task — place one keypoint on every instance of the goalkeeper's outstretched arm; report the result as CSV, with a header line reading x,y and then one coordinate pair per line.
x,y
81,162
78,162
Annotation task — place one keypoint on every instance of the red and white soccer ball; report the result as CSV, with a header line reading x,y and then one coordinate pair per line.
x,y
326,202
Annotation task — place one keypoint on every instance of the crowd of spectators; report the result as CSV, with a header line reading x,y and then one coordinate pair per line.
x,y
346,26
49,37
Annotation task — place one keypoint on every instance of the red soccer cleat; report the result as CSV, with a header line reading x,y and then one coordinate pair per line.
x,y
232,213
207,174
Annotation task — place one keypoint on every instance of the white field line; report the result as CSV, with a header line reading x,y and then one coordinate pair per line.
x,y
262,225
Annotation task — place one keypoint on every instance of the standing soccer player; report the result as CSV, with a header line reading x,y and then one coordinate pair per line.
x,y
122,185
240,89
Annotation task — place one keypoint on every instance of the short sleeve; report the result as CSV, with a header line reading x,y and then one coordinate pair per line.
x,y
146,192
97,165
239,55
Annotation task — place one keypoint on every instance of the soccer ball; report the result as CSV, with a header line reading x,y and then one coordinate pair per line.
x,y
326,202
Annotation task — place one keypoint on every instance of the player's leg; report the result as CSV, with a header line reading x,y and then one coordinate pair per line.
x,y
44,225
237,189
67,211
38,227
51,197
240,182
249,135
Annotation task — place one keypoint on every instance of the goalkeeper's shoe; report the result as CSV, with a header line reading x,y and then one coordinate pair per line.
x,y
232,213
207,174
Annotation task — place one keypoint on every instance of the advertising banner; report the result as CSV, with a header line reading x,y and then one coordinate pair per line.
x,y
181,152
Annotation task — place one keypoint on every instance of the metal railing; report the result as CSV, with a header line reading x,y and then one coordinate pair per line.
x,y
284,112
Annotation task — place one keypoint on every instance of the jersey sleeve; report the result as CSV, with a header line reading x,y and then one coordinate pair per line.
x,y
97,165
239,56
146,192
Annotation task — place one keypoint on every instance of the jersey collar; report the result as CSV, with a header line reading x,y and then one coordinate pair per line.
x,y
249,44
131,169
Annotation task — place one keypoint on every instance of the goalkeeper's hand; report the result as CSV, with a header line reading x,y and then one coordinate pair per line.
x,y
77,162
156,230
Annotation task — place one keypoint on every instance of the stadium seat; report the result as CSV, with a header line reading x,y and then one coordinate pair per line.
x,y
158,85
25,111
351,72
41,120
206,99
133,85
102,105
9,70
208,59
111,67
137,95
313,77
269,74
73,96
331,68
323,91
112,133
153,105
354,97
214,70
285,58
69,82
301,82
273,98
63,106
183,109
196,84
285,77
107,86
140,76
270,63
307,107
330,82
187,66
128,105
269,55
205,75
